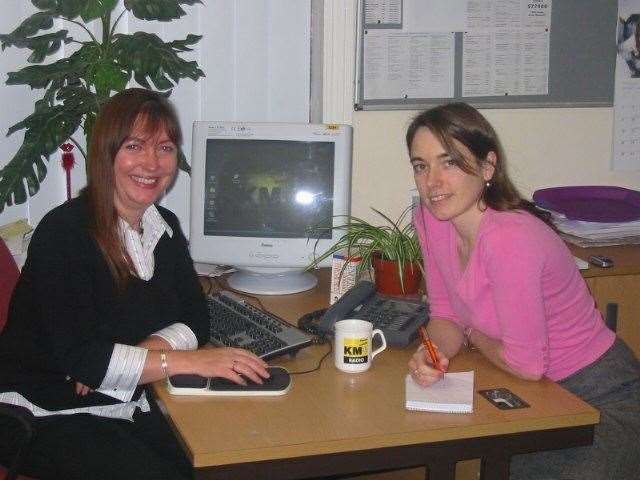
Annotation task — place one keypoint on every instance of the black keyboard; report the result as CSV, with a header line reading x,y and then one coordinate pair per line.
x,y
236,323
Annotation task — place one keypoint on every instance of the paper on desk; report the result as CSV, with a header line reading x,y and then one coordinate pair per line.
x,y
453,394
210,270
15,236
19,227
594,234
581,264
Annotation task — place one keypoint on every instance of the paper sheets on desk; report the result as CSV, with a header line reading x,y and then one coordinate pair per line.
x,y
597,234
16,236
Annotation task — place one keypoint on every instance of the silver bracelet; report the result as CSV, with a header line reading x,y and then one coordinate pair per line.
x,y
467,334
163,363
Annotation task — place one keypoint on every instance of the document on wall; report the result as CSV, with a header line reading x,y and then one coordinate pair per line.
x,y
505,48
626,102
408,65
434,15
409,48
382,13
416,16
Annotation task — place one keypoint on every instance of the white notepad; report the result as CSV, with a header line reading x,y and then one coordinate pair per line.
x,y
453,394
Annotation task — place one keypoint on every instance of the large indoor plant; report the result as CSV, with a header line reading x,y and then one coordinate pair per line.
x,y
76,86
391,249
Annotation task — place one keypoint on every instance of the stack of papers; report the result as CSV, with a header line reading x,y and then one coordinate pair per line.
x,y
593,215
212,270
16,236
597,234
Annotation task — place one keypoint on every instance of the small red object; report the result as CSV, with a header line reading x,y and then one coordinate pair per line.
x,y
430,348
67,163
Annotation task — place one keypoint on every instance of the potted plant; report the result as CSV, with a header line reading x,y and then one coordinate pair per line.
x,y
76,86
391,249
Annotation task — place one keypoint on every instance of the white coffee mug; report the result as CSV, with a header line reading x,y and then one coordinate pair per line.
x,y
353,345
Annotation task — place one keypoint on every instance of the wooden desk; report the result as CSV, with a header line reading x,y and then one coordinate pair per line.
x,y
335,423
617,285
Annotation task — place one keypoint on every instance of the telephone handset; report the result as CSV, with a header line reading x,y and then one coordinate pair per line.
x,y
350,301
398,318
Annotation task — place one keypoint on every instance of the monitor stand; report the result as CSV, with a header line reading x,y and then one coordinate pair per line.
x,y
271,281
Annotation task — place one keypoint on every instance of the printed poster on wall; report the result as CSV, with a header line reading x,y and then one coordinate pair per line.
x,y
505,48
626,103
409,49
408,65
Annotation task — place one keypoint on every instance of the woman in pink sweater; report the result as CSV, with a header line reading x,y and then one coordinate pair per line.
x,y
499,278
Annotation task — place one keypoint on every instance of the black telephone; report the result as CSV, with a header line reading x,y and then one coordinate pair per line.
x,y
398,318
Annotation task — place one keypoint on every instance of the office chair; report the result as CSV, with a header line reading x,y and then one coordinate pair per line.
x,y
8,278
17,420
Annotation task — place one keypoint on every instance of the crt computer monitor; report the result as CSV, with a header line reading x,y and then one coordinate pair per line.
x,y
256,189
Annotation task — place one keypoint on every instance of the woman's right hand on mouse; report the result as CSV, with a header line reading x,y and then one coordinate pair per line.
x,y
229,363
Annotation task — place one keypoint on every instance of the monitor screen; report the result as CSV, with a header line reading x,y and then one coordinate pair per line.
x,y
257,192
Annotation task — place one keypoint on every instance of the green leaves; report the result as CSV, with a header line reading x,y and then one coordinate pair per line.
x,y
162,10
182,162
392,240
107,77
41,46
19,171
86,9
31,26
55,119
42,76
78,101
75,86
150,59
46,129
93,9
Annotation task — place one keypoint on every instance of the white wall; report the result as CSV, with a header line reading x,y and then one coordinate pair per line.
x,y
255,53
544,147
249,78
17,103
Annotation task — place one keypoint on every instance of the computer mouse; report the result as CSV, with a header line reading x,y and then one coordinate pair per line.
x,y
279,380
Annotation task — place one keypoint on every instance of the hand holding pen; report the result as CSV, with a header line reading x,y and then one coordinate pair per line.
x,y
428,366
430,349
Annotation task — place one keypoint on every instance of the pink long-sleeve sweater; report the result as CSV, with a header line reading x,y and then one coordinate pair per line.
x,y
520,286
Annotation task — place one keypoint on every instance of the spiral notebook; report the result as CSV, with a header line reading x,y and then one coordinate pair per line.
x,y
453,394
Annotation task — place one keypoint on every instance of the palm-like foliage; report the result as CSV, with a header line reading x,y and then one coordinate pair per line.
x,y
393,240
76,86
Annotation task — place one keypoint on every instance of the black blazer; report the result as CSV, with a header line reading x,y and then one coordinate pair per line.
x,y
65,314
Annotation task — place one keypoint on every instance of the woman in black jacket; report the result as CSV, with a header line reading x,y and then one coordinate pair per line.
x,y
108,301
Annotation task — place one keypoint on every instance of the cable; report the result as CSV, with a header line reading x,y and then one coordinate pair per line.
x,y
318,340
303,322
209,289
317,367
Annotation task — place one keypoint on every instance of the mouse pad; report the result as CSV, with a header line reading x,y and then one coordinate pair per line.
x,y
503,398
278,380
278,383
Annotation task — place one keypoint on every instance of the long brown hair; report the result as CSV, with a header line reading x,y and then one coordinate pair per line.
x,y
462,122
116,121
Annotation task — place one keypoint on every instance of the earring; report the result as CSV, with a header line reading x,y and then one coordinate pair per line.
x,y
488,184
